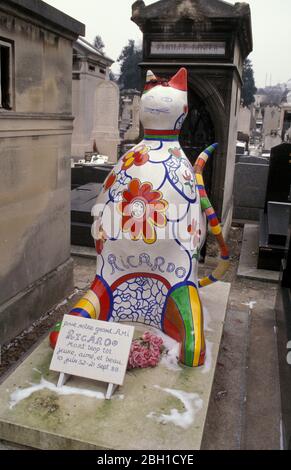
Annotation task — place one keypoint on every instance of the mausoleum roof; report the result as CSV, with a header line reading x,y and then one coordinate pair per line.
x,y
90,51
198,11
190,8
48,15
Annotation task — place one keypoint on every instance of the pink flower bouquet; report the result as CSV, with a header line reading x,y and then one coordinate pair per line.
x,y
145,351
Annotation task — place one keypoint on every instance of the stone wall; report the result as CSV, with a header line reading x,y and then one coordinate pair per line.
x,y
227,209
35,146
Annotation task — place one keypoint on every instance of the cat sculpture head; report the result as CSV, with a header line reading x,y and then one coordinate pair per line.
x,y
164,103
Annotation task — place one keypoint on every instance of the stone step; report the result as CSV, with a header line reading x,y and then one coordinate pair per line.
x,y
261,430
226,413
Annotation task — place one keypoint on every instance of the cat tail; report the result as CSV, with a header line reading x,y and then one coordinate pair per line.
x,y
214,224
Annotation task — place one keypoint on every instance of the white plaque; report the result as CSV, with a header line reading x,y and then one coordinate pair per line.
x,y
93,349
187,48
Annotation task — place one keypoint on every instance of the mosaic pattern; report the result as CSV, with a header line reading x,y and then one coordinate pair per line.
x,y
139,299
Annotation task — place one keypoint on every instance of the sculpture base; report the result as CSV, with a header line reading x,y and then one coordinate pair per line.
x,y
160,408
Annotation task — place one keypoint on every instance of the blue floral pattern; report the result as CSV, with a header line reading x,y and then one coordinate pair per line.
x,y
140,299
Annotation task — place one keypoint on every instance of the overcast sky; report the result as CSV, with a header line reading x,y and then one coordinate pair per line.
x,y
271,21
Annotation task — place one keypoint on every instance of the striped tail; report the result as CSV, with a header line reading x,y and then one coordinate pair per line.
x,y
215,227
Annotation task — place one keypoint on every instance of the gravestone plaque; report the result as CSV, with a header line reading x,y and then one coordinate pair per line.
x,y
181,48
93,349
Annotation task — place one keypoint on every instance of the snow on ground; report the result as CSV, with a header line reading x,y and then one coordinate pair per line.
x,y
183,419
23,393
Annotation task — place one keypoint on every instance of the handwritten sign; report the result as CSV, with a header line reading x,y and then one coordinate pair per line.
x,y
93,349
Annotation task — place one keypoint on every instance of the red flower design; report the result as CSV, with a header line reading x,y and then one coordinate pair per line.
x,y
139,156
142,209
195,233
110,180
101,239
176,152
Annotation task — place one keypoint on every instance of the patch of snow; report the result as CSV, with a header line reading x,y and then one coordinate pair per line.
x,y
207,319
183,419
170,359
250,304
208,359
75,292
61,304
23,393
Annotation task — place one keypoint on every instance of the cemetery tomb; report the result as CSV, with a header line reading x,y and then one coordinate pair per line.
x,y
275,218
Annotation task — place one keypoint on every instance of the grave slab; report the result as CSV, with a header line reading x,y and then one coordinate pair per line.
x,y
160,408
247,267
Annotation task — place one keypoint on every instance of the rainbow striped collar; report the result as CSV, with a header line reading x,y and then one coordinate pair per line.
x,y
153,134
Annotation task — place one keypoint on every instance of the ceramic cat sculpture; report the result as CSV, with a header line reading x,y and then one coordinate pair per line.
x,y
150,223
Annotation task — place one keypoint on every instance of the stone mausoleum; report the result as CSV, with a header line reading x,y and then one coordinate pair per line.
x,y
95,102
211,39
36,125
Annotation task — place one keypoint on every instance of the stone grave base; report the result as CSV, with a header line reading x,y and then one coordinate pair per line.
x,y
160,408
247,267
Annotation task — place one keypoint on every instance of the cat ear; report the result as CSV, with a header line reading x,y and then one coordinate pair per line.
x,y
179,81
150,76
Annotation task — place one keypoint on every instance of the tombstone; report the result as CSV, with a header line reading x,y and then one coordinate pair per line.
x,y
211,39
275,218
271,127
86,184
244,121
129,115
105,129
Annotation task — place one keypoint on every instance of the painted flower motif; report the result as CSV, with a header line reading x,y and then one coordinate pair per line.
x,y
100,240
139,156
142,208
110,180
195,233
176,152
189,181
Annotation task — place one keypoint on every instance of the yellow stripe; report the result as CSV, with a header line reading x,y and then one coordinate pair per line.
x,y
92,297
88,306
199,179
197,317
221,269
205,281
216,230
